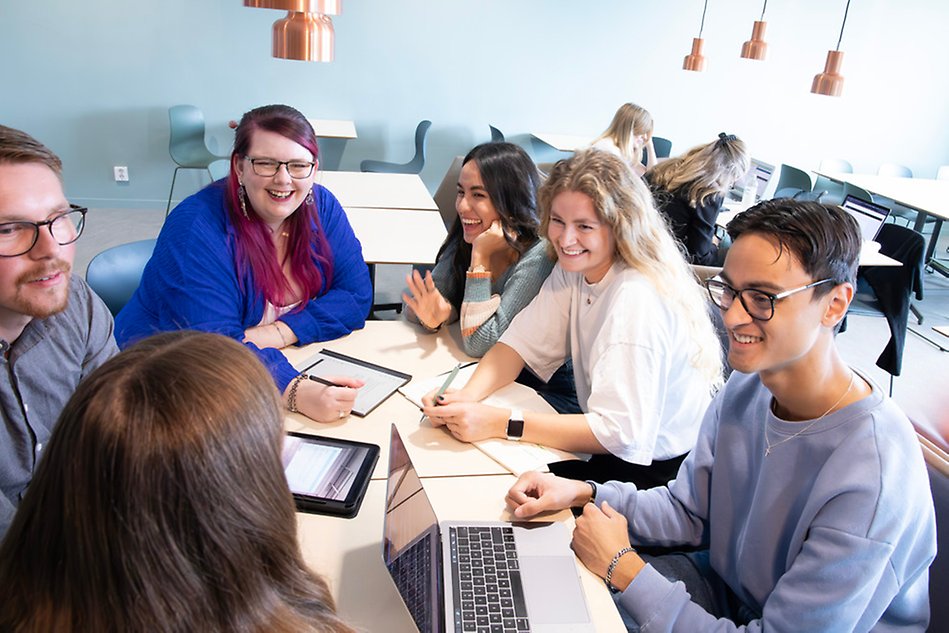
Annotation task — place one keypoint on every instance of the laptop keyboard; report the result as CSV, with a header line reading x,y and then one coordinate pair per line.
x,y
486,581
412,572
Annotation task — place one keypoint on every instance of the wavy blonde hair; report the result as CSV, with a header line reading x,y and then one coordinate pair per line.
x,y
643,242
704,171
629,121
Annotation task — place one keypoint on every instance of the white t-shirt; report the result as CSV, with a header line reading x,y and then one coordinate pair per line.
x,y
643,399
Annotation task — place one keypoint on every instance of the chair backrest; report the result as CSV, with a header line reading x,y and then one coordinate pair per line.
x,y
893,169
833,192
943,173
448,191
857,192
187,133
786,192
838,165
114,274
793,177
663,147
497,136
421,138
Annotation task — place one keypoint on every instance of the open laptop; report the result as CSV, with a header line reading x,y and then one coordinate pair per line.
x,y
762,172
476,576
869,216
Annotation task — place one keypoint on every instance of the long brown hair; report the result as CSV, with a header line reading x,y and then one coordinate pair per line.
x,y
704,171
160,504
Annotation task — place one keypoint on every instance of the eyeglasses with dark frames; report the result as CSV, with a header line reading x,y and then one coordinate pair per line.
x,y
18,238
757,303
267,167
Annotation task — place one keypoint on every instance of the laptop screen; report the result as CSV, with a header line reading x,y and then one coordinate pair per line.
x,y
762,176
410,542
869,216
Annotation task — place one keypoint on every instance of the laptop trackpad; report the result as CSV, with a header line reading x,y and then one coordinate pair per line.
x,y
552,590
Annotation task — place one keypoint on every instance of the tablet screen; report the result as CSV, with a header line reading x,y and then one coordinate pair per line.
x,y
321,469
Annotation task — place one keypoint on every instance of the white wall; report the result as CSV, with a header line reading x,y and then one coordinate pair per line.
x,y
94,79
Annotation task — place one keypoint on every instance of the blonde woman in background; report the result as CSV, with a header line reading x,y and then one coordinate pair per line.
x,y
624,305
691,188
629,136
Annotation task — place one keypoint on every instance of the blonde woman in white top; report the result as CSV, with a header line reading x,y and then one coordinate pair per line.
x,y
629,136
624,305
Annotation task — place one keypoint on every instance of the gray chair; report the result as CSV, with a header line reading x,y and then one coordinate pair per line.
x,y
497,136
414,166
834,191
663,147
115,273
792,177
448,191
186,143
858,192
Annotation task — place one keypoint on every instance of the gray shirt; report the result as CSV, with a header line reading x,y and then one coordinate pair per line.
x,y
40,372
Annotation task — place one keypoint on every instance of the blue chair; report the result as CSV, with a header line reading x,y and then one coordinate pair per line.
x,y
835,190
414,166
497,136
663,146
114,274
792,177
187,145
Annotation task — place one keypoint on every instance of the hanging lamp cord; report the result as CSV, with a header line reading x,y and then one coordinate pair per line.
x,y
702,27
843,24
763,9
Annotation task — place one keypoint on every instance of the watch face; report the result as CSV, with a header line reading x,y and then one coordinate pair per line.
x,y
515,428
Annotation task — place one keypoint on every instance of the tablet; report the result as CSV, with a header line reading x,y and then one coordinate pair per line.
x,y
328,475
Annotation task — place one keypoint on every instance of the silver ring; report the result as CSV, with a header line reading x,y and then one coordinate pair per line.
x,y
341,414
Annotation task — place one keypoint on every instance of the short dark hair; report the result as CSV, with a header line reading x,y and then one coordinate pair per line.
x,y
19,147
824,238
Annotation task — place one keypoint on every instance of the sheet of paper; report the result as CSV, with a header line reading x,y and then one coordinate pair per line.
x,y
517,457
379,383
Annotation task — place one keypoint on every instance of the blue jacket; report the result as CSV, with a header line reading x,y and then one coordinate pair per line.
x,y
192,282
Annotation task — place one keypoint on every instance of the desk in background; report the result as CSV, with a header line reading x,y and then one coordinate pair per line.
x,y
377,190
928,197
331,135
397,236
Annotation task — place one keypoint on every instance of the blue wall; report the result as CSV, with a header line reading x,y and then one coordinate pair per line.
x,y
94,79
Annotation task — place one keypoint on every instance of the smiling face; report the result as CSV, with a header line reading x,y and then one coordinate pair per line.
x,y
801,323
473,203
584,243
35,284
276,197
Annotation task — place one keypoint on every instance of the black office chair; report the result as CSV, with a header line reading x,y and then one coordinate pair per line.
x,y
414,166
497,136
887,291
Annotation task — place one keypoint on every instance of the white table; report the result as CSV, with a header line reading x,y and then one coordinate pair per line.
x,y
397,236
333,128
927,196
377,190
348,552
563,142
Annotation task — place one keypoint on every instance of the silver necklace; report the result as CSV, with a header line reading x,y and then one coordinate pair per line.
x,y
770,446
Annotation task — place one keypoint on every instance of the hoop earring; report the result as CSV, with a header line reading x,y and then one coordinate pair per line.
x,y
241,195
309,197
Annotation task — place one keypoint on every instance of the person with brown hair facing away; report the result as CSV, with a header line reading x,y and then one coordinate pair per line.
x,y
161,504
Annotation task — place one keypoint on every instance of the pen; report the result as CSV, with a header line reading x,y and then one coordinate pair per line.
x,y
444,387
324,381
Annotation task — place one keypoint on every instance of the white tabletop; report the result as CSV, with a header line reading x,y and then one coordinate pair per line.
x,y
377,190
333,128
408,348
563,142
348,552
397,236
922,194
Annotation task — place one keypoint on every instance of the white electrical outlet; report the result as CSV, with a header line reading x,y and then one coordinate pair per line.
x,y
121,173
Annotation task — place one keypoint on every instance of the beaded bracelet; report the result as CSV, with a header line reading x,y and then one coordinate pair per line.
x,y
292,394
612,567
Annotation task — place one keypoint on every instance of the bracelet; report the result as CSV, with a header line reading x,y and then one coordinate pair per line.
x,y
592,498
283,339
612,567
292,394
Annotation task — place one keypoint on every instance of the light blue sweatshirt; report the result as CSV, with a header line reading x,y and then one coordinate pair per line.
x,y
833,531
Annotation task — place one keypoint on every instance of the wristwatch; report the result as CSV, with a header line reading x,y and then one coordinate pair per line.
x,y
515,425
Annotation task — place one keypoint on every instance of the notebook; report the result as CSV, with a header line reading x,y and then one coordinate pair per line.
x,y
869,216
476,576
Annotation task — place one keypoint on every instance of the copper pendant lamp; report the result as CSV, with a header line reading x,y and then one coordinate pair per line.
x,y
831,82
696,60
304,36
326,7
756,47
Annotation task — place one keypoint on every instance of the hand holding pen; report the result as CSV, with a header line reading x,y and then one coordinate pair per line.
x,y
441,390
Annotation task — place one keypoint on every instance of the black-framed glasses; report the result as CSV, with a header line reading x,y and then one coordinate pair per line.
x,y
18,238
268,167
757,303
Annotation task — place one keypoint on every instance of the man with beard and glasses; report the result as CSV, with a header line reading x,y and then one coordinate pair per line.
x,y
53,329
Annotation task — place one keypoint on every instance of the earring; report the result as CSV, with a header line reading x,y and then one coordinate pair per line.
x,y
241,195
309,197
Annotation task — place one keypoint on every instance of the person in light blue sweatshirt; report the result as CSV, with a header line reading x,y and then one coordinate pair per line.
x,y
805,502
